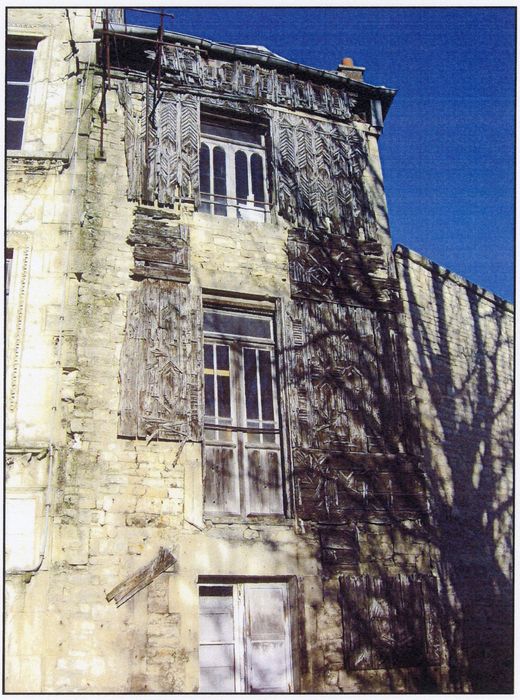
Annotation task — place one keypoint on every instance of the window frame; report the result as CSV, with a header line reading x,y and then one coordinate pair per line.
x,y
241,622
234,206
241,444
29,45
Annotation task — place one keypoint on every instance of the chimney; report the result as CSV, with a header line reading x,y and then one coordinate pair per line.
x,y
349,70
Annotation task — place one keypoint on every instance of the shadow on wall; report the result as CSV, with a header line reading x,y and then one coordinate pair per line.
x,y
464,358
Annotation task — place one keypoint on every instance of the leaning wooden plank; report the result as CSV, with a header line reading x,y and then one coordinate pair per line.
x,y
145,575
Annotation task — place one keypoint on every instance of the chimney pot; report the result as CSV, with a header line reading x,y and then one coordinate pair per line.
x,y
347,61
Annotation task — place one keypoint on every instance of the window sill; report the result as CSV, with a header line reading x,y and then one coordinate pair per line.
x,y
232,220
35,162
267,520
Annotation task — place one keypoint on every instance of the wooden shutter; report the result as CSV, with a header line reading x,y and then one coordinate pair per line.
x,y
217,649
263,481
384,622
268,644
221,480
160,372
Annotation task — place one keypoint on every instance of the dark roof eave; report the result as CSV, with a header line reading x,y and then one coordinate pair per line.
x,y
386,95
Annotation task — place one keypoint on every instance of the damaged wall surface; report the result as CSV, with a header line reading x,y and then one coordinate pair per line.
x,y
241,432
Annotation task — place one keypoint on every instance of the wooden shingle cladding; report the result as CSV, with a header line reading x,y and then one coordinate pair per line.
x,y
160,370
160,245
319,175
390,622
350,271
162,141
348,390
315,167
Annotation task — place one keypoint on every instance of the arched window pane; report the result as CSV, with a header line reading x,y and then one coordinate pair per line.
x,y
219,180
205,183
257,179
242,189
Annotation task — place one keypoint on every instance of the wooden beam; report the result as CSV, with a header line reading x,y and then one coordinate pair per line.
x,y
141,578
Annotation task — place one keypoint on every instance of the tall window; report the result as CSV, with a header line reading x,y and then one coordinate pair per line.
x,y
233,170
245,638
19,70
243,473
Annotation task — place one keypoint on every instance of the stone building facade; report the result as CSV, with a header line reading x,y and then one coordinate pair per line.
x,y
248,447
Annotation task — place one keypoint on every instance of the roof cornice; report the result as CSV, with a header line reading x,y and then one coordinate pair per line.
x,y
250,55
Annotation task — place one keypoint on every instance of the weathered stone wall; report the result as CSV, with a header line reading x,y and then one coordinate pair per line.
x,y
460,339
113,502
116,501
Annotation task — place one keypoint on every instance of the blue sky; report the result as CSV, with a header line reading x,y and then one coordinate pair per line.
x,y
448,144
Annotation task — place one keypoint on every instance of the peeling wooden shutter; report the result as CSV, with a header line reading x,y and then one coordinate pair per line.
x,y
221,480
385,622
160,372
263,482
217,649
268,644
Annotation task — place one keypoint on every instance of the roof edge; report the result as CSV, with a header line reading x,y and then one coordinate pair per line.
x,y
386,95
401,251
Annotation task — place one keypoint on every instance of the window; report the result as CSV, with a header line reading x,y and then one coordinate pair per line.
x,y
233,170
243,473
245,638
19,69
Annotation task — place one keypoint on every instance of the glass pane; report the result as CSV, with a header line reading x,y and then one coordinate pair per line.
x,y
16,100
250,383
224,402
219,180
236,132
257,179
209,383
242,189
13,135
266,384
222,357
204,168
237,325
208,356
224,435
19,64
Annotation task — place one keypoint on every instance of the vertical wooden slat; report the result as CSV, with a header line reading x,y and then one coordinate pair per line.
x,y
132,356
297,629
285,390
